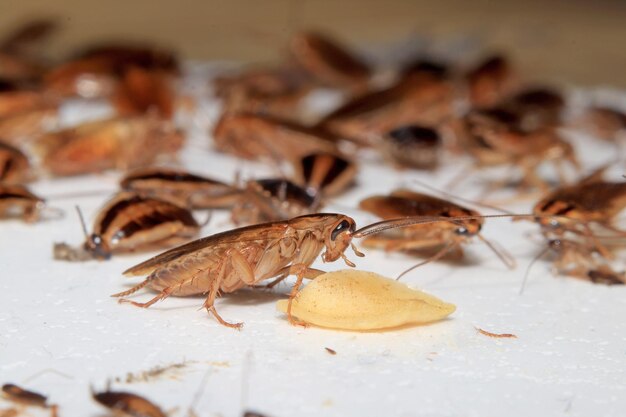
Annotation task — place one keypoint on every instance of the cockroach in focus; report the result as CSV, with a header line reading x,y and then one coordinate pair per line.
x,y
118,143
19,395
324,173
16,201
184,188
130,222
128,404
443,237
14,165
251,136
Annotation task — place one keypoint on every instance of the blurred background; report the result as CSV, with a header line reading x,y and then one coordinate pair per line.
x,y
563,41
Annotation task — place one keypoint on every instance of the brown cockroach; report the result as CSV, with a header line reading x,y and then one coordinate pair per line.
x,y
130,222
536,108
231,260
19,395
328,62
413,100
18,201
14,165
413,146
182,187
21,57
15,100
260,137
604,122
425,67
490,81
272,199
118,143
443,236
140,91
325,173
128,404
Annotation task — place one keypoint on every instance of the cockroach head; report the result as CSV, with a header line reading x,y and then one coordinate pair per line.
x,y
338,237
97,247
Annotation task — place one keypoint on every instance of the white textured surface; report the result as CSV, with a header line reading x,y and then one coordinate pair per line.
x,y
569,358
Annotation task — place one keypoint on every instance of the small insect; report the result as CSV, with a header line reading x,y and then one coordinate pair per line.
x,y
325,173
128,404
118,143
18,201
14,165
331,351
444,237
130,222
490,81
328,62
182,187
19,395
256,137
496,335
231,260
413,146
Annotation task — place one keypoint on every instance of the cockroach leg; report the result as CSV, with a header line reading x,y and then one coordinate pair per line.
x,y
161,296
502,254
133,289
301,271
215,287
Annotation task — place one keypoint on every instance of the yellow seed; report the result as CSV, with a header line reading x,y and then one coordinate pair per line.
x,y
360,300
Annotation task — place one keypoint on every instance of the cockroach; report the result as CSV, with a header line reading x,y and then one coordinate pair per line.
x,y
18,201
536,107
24,127
496,335
128,404
330,351
140,91
424,67
413,146
14,165
490,81
228,261
184,188
21,51
413,100
20,395
118,143
130,222
328,62
325,173
444,236
604,122
256,137
15,100
272,199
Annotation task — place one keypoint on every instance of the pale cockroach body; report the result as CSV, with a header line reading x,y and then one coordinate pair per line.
x,y
119,143
413,146
325,173
14,165
605,122
414,100
19,395
328,62
183,188
267,200
131,222
16,201
491,81
128,404
228,261
256,137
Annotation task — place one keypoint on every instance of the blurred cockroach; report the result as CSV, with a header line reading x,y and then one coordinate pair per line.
x,y
130,222
24,126
413,146
490,81
255,137
19,395
21,52
325,173
14,165
140,91
444,237
328,62
18,201
267,200
536,108
127,404
182,187
119,143
604,122
15,99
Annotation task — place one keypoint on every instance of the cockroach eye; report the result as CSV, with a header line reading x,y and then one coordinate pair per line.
x,y
461,231
341,227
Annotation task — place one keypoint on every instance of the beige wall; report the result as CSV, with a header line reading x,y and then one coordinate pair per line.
x,y
573,41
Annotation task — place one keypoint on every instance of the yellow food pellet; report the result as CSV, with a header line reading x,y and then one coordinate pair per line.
x,y
359,300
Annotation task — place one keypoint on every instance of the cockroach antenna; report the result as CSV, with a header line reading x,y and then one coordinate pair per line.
x,y
530,265
433,258
82,222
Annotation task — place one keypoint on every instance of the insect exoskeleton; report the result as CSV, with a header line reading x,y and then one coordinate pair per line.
x,y
441,236
14,165
131,222
17,201
272,199
231,260
118,143
27,398
260,137
183,187
413,146
323,172
128,404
